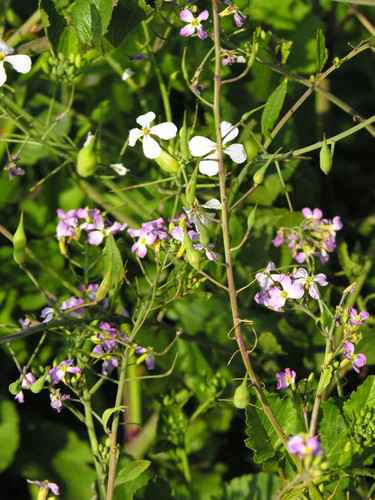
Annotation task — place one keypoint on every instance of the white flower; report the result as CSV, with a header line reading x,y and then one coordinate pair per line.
x,y
201,146
20,62
151,148
128,73
119,168
196,215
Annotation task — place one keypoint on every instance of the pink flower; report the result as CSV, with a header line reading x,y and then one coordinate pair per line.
x,y
312,214
285,379
58,373
308,282
303,447
45,485
357,360
357,319
194,23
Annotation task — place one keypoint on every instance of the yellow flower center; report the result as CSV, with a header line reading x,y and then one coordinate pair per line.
x,y
145,130
2,56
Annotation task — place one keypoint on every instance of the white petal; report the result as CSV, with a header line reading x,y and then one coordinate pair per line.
x,y
166,130
225,127
208,167
5,48
119,168
212,204
134,135
20,62
151,148
200,146
3,75
128,73
236,152
145,120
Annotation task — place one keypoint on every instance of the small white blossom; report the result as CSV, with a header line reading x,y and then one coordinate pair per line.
x,y
201,146
20,62
165,130
119,168
128,73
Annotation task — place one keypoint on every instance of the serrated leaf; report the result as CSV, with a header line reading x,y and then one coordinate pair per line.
x,y
332,430
321,51
54,22
131,471
107,414
272,110
363,396
258,439
91,19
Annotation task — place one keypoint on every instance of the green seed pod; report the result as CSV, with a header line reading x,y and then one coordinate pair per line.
x,y
325,157
190,188
15,388
167,162
203,234
61,56
184,148
259,174
192,255
19,243
251,219
241,396
87,158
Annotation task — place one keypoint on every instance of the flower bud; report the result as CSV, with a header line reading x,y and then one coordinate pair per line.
x,y
241,396
19,243
259,174
167,162
190,188
87,158
192,254
325,157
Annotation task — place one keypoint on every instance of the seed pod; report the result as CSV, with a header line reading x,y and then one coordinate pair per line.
x,y
192,254
190,188
167,162
19,243
184,148
259,174
87,158
241,396
325,157
203,234
251,219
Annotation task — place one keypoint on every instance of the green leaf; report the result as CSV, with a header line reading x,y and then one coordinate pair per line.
x,y
131,471
113,258
332,430
371,3
262,437
261,485
272,110
104,286
69,42
363,396
107,413
54,22
9,433
321,51
268,344
91,19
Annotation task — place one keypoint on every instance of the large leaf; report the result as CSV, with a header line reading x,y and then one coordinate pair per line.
x,y
261,485
363,397
332,430
321,51
9,433
131,471
272,110
91,19
54,22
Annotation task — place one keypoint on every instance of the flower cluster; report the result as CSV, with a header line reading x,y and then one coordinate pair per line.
x,y
56,375
107,345
73,222
316,236
277,287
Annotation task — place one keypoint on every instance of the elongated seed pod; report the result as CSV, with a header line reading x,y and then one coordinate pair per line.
x,y
192,254
19,243
191,186
167,162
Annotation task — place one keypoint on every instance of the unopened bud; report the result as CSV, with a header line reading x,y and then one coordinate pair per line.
x,y
325,157
241,396
19,243
87,160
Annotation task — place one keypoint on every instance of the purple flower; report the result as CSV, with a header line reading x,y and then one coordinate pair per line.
x,y
232,58
265,278
304,446
316,214
357,360
98,230
239,18
47,314
58,373
308,282
27,379
57,399
46,485
194,23
357,319
285,379
289,290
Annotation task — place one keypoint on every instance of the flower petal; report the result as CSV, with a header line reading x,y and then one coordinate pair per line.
x,y
20,62
186,16
134,135
203,16
201,33
166,130
151,148
201,146
228,133
187,30
5,48
145,120
208,167
3,75
236,152
213,204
